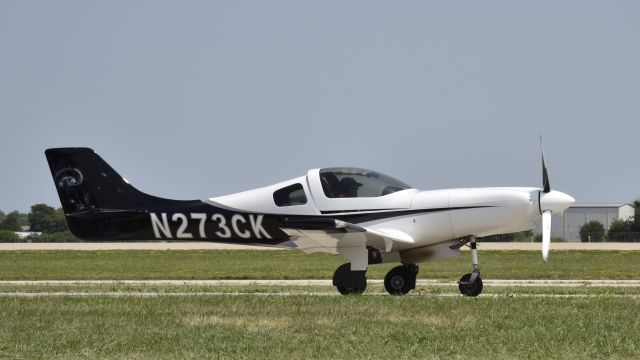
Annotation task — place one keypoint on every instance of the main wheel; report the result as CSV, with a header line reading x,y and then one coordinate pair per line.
x,y
470,289
351,291
349,282
400,280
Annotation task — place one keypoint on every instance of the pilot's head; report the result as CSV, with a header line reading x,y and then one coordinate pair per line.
x,y
349,187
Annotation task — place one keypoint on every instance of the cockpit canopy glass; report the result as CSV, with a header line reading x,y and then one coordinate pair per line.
x,y
352,182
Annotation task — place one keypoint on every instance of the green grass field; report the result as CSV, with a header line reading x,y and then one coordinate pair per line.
x,y
306,326
124,321
240,264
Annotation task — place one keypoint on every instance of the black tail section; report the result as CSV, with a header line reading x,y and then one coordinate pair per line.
x,y
85,182
100,204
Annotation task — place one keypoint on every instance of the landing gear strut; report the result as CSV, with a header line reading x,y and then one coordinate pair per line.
x,y
401,279
349,282
471,284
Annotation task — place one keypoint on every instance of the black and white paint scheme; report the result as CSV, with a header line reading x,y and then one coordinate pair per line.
x,y
367,217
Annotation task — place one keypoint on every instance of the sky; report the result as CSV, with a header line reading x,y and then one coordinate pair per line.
x,y
196,99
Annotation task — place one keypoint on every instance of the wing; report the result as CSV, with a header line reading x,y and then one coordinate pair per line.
x,y
327,235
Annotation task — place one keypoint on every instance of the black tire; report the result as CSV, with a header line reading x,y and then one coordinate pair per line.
x,y
349,282
351,291
467,289
400,280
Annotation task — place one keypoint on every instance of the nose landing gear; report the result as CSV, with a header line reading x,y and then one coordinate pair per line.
x,y
471,284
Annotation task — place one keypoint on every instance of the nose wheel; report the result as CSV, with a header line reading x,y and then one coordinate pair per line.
x,y
401,279
471,284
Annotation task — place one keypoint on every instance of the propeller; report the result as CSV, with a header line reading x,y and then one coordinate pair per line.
x,y
550,202
545,175
546,234
546,214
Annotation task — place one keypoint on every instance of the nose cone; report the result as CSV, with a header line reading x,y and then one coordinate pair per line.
x,y
555,201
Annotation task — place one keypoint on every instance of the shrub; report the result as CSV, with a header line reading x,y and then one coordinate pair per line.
x,y
618,230
592,231
9,236
538,238
523,236
11,222
57,237
46,219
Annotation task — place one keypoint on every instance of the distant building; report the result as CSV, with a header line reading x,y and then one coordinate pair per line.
x,y
24,234
567,225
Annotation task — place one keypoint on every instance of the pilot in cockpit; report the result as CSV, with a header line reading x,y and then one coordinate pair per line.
x,y
348,187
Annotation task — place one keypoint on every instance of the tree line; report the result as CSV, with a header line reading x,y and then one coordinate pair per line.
x,y
41,218
44,219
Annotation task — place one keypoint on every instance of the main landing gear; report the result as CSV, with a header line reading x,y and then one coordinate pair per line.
x,y
349,282
471,284
401,279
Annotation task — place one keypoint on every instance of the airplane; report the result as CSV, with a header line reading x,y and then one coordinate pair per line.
x,y
365,216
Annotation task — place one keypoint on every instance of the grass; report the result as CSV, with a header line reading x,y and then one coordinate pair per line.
x,y
203,322
284,327
241,264
372,289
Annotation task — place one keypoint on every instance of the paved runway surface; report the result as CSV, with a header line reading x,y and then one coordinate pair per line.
x,y
225,246
499,283
303,292
116,294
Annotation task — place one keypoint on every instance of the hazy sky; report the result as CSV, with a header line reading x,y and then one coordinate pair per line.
x,y
190,99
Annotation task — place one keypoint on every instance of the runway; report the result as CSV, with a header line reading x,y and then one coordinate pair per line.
x,y
20,288
117,294
313,282
235,246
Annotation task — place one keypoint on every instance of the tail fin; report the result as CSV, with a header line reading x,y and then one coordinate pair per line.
x,y
85,181
98,203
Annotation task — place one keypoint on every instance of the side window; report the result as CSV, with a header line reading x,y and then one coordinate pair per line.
x,y
290,196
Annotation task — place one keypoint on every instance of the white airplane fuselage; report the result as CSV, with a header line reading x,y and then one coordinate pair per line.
x,y
410,217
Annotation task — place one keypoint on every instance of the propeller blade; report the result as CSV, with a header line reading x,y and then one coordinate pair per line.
x,y
545,175
546,234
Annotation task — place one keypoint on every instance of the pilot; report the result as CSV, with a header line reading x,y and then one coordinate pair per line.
x,y
349,187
